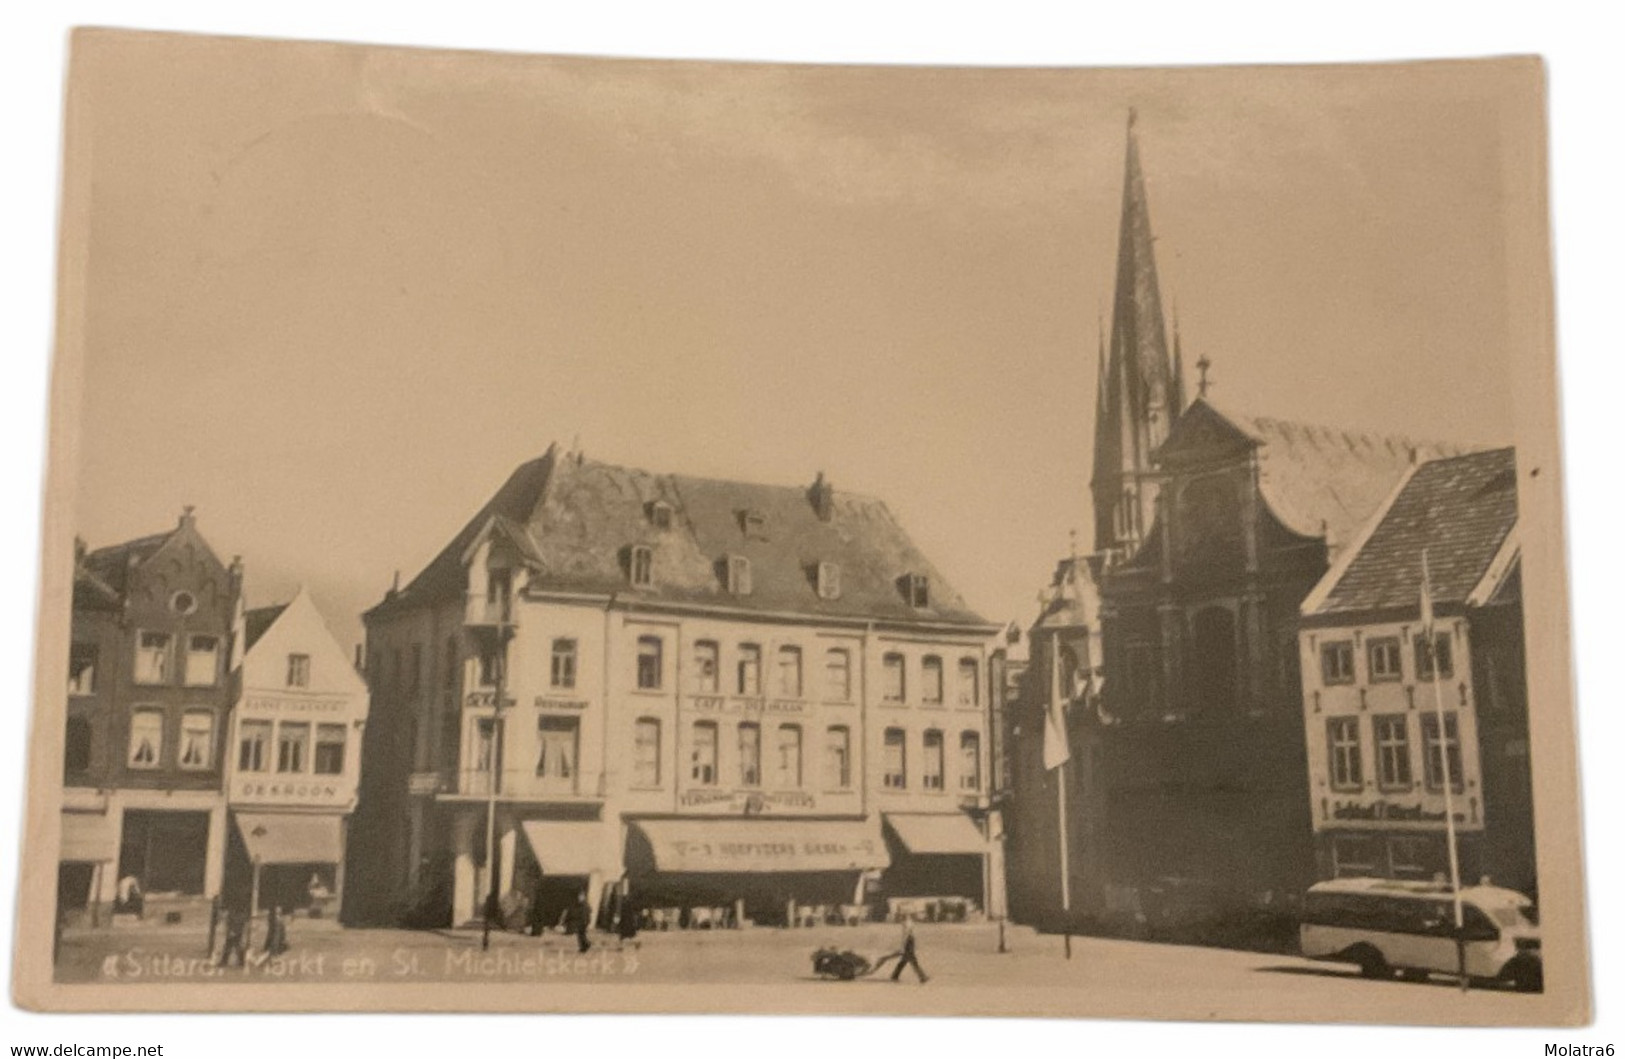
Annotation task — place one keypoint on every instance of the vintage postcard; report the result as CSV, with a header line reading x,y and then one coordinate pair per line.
x,y
556,534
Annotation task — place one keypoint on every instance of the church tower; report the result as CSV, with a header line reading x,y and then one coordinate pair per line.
x,y
1140,391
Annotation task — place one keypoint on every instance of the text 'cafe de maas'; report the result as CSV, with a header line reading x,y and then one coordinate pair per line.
x,y
751,703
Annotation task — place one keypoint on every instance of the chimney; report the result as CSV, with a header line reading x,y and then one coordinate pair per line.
x,y
188,516
79,549
822,498
394,586
360,658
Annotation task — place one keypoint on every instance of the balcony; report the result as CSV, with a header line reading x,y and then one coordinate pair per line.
x,y
483,612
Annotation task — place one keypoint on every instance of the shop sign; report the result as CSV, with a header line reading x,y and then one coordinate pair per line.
x,y
1386,812
748,802
287,704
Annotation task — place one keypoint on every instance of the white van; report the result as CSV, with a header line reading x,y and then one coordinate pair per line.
x,y
1389,925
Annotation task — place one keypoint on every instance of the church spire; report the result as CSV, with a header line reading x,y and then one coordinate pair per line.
x,y
1142,394
1177,389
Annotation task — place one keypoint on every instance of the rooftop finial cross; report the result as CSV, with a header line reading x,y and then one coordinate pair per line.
x,y
1202,383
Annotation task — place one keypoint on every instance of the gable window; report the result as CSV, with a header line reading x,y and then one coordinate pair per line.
x,y
298,671
750,669
931,680
557,739
253,746
738,575
968,688
563,672
1425,658
1434,765
705,667
1382,656
490,666
787,772
838,757
146,738
1343,740
649,663
754,525
82,668
789,672
838,675
1337,662
498,588
918,589
660,515
750,754
894,760
329,760
292,746
152,658
893,686
197,740
703,754
931,776
1392,734
970,761
829,581
646,752
76,746
642,566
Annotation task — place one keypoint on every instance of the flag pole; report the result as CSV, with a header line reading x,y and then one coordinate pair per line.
x,y
1060,789
1444,771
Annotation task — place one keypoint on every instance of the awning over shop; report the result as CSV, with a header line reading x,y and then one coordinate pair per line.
x,y
292,838
755,846
87,837
936,833
563,847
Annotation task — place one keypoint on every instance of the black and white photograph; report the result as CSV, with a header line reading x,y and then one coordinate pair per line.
x,y
545,533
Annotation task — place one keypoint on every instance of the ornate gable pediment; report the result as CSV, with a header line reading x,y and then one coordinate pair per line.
x,y
1200,434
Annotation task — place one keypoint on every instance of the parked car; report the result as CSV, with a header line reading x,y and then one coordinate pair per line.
x,y
1387,926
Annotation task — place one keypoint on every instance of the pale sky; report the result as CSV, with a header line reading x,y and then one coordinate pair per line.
x,y
336,294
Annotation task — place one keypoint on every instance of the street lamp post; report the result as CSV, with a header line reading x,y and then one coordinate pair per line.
x,y
504,629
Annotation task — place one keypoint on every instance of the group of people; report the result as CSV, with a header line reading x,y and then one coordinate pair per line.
x,y
577,920
236,944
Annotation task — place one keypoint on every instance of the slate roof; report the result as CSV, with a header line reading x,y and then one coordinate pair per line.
x,y
1459,510
574,522
109,567
258,620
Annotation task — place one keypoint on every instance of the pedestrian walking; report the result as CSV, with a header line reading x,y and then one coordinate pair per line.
x,y
626,928
580,914
236,944
276,932
908,957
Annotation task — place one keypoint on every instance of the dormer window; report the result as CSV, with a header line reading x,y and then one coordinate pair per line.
x,y
738,575
660,514
642,568
917,587
829,581
754,525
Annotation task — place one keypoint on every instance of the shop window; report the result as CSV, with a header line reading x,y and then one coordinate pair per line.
x,y
703,754
1439,755
894,684
1382,657
750,669
253,746
968,690
789,672
1425,658
650,673
1355,855
1393,742
330,740
563,671
1337,662
646,752
292,746
931,773
706,656
838,758
1343,741
82,660
1411,857
894,760
558,740
750,754
970,761
77,746
787,757
838,675
152,658
146,738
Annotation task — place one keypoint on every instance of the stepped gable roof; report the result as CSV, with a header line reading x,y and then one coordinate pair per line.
x,y
574,521
1459,510
1318,481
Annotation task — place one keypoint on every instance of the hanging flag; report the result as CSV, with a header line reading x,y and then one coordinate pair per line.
x,y
1056,750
